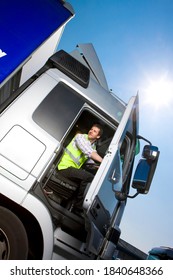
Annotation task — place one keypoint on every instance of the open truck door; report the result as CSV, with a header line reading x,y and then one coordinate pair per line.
x,y
104,210
106,198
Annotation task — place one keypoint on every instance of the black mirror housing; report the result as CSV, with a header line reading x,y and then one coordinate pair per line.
x,y
145,169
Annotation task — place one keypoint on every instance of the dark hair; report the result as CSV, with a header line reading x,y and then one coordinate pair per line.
x,y
99,127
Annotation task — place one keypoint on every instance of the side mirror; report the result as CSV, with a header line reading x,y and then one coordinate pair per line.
x,y
145,169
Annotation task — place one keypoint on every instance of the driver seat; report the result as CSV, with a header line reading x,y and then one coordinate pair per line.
x,y
62,188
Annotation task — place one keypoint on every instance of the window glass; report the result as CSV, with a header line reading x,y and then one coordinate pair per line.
x,y
58,110
112,181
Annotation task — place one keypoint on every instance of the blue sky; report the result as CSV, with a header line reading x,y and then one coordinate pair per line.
x,y
134,41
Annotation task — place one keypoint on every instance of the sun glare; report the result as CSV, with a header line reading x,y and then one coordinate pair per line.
x,y
159,93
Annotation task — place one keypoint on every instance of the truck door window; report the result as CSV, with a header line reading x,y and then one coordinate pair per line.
x,y
58,110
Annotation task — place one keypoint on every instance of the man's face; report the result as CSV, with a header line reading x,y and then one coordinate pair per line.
x,y
93,133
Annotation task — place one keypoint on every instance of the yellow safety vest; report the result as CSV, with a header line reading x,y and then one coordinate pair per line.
x,y
72,157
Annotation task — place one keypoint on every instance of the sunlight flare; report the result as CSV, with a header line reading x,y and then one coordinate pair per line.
x,y
159,93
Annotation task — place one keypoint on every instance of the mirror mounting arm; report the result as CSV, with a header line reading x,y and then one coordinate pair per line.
x,y
146,140
120,196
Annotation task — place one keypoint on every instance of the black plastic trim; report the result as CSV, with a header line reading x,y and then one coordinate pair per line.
x,y
70,66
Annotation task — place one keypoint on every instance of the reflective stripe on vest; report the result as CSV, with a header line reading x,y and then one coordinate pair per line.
x,y
72,157
76,160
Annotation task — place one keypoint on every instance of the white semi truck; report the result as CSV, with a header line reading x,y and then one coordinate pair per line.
x,y
69,93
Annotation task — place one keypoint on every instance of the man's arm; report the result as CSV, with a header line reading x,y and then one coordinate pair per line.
x,y
85,146
95,156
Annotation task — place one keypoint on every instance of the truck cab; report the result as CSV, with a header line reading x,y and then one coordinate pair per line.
x,y
67,95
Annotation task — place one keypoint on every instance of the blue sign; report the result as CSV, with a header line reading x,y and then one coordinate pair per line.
x,y
24,26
